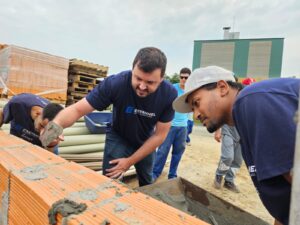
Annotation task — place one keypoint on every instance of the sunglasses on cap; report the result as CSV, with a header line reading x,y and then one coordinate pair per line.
x,y
182,77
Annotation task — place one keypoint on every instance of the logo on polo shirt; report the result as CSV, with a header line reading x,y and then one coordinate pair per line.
x,y
132,110
252,170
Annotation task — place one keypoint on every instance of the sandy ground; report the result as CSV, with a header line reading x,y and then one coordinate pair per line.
x,y
198,165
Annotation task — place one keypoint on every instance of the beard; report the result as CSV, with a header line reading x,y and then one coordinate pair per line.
x,y
215,125
212,128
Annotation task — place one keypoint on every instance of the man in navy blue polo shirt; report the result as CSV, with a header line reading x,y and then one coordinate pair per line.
x,y
142,114
27,114
263,116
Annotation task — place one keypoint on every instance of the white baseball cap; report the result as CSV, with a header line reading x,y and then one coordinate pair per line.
x,y
198,78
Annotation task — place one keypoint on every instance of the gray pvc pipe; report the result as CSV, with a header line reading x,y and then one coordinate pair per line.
x,y
81,149
76,131
82,140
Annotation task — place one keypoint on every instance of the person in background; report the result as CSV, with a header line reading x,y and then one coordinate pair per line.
x,y
176,136
28,114
190,125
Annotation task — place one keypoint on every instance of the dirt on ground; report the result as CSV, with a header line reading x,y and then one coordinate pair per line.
x,y
198,165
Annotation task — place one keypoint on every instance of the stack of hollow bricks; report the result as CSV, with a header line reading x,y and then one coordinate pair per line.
x,y
83,77
28,71
32,180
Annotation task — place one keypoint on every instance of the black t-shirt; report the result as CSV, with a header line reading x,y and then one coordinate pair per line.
x,y
17,112
263,115
134,118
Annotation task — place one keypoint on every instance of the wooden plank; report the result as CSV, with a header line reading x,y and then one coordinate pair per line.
x,y
82,79
81,85
88,73
77,90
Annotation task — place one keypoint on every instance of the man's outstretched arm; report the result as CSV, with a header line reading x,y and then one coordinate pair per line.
x,y
123,164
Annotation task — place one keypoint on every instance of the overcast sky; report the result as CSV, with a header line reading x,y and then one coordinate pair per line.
x,y
110,32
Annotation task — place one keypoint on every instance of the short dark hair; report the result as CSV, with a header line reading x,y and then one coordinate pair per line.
x,y
51,110
234,85
185,70
149,59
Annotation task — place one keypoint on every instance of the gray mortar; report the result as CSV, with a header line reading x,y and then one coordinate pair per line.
x,y
52,131
118,194
66,208
120,207
105,222
200,203
4,208
177,201
132,221
106,201
106,185
82,172
5,203
87,194
34,172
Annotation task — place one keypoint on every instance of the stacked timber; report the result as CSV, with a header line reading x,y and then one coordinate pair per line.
x,y
24,70
83,77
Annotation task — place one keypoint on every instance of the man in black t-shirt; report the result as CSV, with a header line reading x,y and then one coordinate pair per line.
x,y
142,100
27,114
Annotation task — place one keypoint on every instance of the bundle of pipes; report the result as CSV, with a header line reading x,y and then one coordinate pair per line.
x,y
81,146
84,148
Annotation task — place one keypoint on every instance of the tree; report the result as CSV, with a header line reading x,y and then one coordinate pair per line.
x,y
173,78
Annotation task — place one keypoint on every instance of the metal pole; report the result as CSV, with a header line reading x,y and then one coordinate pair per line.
x,y
295,197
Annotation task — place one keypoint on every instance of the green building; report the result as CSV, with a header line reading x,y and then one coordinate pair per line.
x,y
257,58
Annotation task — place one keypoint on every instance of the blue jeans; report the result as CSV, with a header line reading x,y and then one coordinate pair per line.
x,y
231,158
55,150
116,147
190,125
176,137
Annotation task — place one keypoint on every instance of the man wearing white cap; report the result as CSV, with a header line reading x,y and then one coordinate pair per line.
x,y
263,115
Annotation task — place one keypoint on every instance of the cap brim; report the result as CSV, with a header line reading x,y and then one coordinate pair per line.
x,y
181,105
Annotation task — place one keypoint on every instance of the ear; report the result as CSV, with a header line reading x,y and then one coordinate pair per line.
x,y
223,88
45,122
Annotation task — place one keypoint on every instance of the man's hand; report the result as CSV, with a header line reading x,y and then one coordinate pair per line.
x,y
122,165
218,135
55,142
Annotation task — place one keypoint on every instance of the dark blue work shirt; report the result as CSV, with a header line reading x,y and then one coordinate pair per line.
x,y
263,115
18,112
134,117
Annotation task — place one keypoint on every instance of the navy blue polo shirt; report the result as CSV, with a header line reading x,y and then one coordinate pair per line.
x,y
263,115
134,117
17,112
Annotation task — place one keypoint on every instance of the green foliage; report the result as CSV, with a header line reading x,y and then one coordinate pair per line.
x,y
173,78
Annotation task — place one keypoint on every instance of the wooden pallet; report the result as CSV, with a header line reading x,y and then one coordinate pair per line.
x,y
77,95
82,79
81,85
78,90
87,66
88,73
72,100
